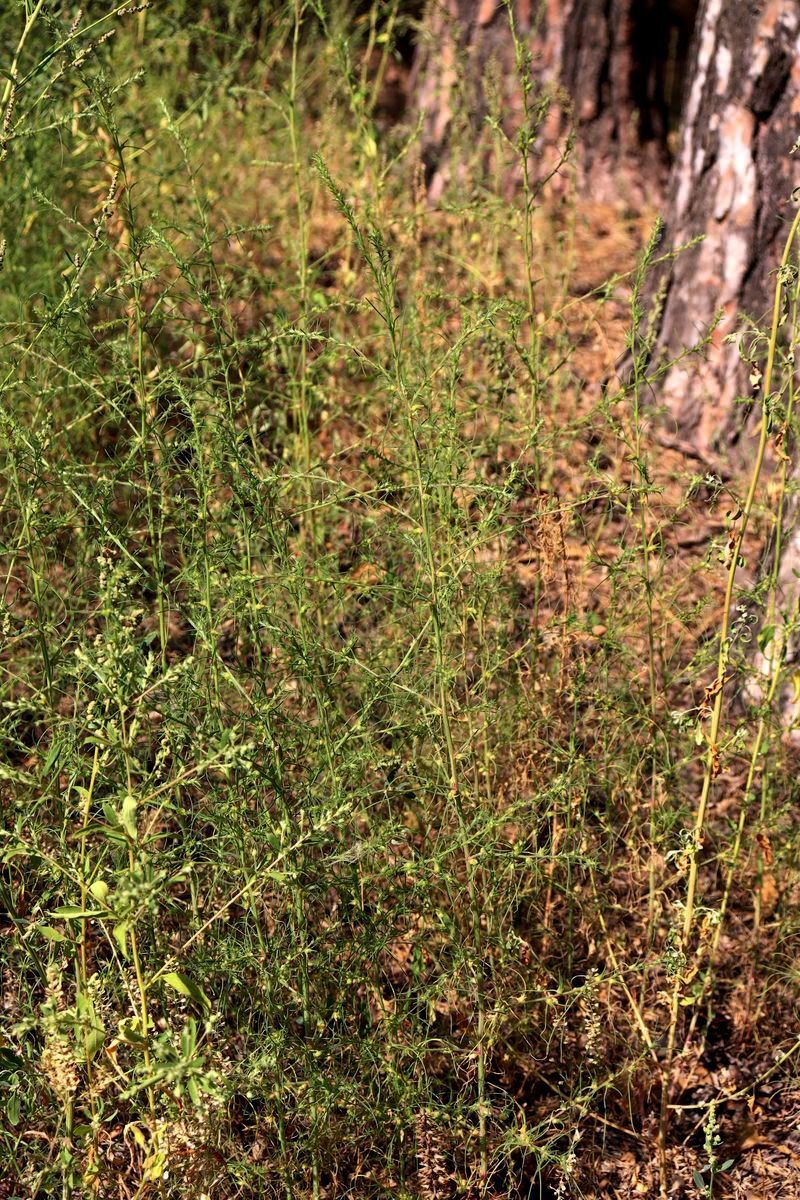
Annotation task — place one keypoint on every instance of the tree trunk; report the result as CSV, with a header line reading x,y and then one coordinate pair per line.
x,y
731,183
622,63
613,68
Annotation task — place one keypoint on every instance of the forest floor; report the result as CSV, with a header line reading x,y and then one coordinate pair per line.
x,y
735,1055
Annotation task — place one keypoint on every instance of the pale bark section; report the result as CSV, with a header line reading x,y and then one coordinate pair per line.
x,y
732,183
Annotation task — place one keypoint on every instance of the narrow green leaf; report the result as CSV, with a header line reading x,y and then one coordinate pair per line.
x,y
94,1030
120,932
130,1032
765,637
74,912
53,756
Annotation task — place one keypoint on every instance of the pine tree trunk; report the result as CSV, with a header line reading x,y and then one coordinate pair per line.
x,y
604,60
731,183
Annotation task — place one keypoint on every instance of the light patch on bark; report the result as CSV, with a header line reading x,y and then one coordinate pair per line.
x,y
795,69
737,257
735,193
553,49
723,65
442,100
698,394
708,39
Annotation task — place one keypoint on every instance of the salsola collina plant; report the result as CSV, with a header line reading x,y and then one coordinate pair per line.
x,y
356,658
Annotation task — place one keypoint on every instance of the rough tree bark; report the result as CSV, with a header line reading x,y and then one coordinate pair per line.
x,y
622,63
731,182
611,60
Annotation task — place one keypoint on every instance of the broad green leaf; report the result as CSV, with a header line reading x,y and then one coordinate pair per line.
x,y
127,817
110,814
187,987
52,935
99,890
12,1108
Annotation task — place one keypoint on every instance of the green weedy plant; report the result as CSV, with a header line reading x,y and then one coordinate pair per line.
x,y
348,666
706,1178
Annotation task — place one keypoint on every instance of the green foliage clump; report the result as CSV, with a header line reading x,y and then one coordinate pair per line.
x,y
349,700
